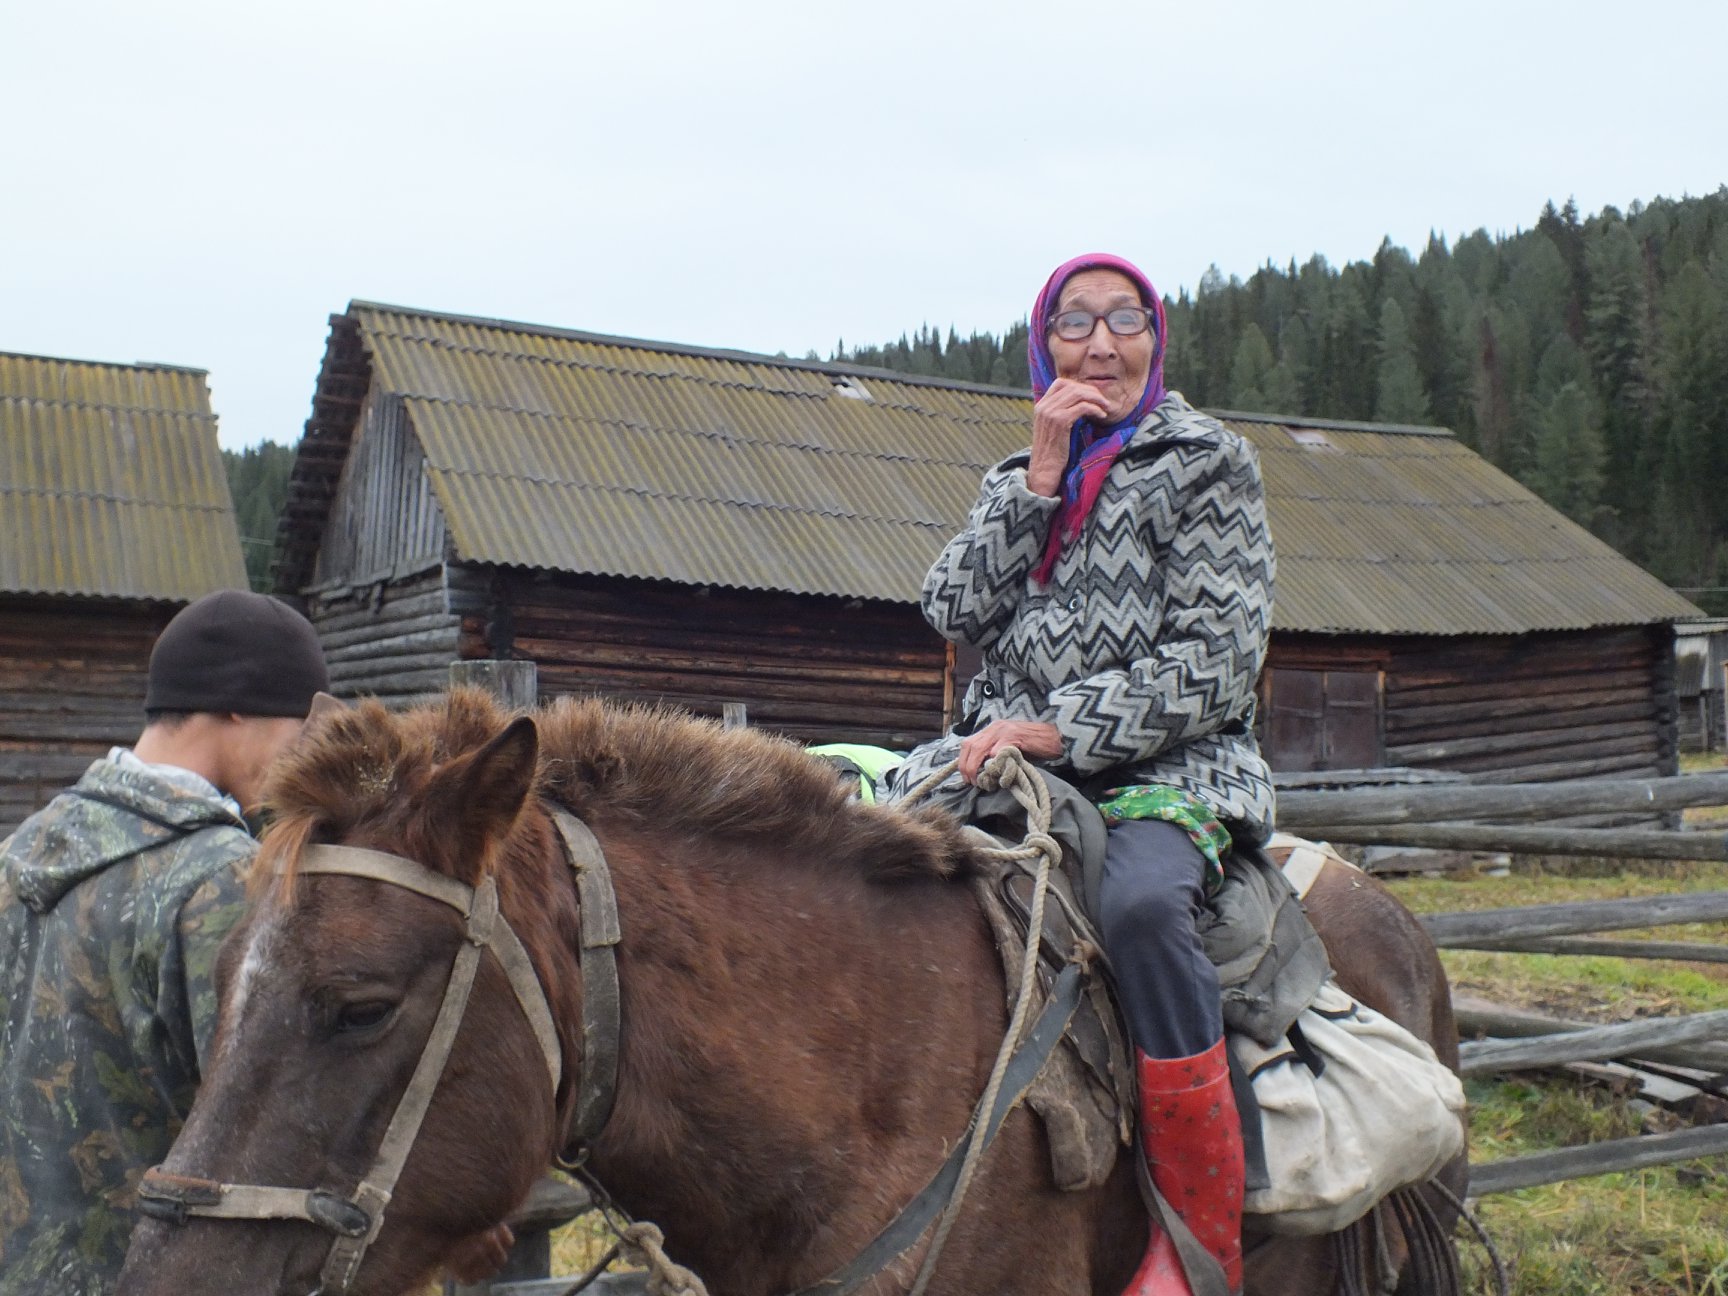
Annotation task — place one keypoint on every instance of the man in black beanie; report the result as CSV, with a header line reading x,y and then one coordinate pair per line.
x,y
113,900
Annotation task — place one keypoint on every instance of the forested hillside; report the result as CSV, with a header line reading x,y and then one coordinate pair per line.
x,y
258,481
1587,356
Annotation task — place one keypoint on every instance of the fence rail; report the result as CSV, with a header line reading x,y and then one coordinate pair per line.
x,y
1428,816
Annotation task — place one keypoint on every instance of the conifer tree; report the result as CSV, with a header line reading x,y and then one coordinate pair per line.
x,y
1399,396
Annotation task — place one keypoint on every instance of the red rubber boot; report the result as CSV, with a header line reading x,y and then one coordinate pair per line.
x,y
1192,1139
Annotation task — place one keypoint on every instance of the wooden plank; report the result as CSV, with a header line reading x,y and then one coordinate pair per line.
x,y
1643,1084
1622,1040
1594,947
1448,930
1606,843
1433,804
1608,1157
514,683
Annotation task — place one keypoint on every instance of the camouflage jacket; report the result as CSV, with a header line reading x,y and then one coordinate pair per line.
x,y
113,900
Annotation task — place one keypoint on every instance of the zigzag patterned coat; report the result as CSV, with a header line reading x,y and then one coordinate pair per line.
x,y
1144,647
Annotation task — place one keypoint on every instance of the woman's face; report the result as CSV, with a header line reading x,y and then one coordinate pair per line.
x,y
1116,366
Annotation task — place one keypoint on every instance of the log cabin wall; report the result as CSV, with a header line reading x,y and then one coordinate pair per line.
x,y
1520,708
384,522
814,669
72,677
393,640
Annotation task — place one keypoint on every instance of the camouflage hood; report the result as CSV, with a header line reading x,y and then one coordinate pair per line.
x,y
80,834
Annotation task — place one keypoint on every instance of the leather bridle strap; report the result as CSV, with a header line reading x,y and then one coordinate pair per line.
x,y
356,1220
601,1014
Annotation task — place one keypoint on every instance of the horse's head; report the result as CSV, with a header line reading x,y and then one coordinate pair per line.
x,y
329,991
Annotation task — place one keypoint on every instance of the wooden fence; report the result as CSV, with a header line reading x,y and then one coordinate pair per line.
x,y
1682,1060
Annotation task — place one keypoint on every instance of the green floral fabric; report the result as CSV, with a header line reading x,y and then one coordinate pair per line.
x,y
113,901
1186,811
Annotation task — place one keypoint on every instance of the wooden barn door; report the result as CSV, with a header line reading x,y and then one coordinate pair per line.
x,y
1322,719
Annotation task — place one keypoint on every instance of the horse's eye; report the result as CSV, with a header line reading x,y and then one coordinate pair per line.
x,y
363,1016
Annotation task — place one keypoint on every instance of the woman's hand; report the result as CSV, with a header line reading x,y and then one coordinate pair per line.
x,y
1053,418
1035,739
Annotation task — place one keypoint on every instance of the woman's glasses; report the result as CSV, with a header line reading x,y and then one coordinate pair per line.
x,y
1123,321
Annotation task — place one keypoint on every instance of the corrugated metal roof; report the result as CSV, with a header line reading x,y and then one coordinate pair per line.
x,y
111,482
584,453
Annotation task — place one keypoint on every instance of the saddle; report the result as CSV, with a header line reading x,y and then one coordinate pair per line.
x,y
1271,965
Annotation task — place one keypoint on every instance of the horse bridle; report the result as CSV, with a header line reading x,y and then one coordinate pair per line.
x,y
356,1218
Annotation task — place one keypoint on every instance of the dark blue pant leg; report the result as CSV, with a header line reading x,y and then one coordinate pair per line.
x,y
1150,901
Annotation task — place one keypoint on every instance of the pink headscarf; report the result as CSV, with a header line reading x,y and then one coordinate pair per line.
x,y
1091,449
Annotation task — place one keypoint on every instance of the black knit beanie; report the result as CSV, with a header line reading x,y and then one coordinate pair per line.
x,y
237,651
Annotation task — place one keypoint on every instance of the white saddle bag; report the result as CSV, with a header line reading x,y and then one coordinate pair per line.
x,y
1381,1112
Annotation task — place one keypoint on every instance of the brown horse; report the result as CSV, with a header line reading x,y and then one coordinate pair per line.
x,y
810,1009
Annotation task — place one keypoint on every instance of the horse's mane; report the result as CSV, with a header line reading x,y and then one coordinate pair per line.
x,y
636,768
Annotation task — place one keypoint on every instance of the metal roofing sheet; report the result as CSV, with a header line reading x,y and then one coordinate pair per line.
x,y
581,453
111,482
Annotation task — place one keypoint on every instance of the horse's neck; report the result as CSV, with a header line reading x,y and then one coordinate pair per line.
x,y
799,1047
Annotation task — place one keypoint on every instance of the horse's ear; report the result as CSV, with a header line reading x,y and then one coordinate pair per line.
x,y
486,788
324,704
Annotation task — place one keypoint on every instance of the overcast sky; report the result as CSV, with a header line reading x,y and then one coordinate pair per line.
x,y
203,183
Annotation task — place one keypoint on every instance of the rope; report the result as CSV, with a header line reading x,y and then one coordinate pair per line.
x,y
1501,1284
1006,769
645,1246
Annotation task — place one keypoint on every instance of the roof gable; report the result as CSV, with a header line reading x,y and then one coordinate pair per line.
x,y
111,482
578,452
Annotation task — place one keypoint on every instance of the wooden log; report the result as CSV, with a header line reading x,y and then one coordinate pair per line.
x,y
1598,1158
384,626
1455,749
388,643
1584,761
363,667
1622,1040
1609,843
1593,947
789,663
1417,804
1476,1016
1498,714
1463,930
1406,698
514,683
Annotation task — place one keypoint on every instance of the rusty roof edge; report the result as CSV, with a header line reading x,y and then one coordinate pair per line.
x,y
1336,425
911,600
705,353
106,364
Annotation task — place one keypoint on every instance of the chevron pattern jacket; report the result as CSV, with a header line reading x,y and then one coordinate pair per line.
x,y
1144,648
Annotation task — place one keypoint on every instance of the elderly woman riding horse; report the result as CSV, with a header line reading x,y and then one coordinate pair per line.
x,y
1118,578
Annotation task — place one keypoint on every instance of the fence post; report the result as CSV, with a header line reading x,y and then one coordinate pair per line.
x,y
514,683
